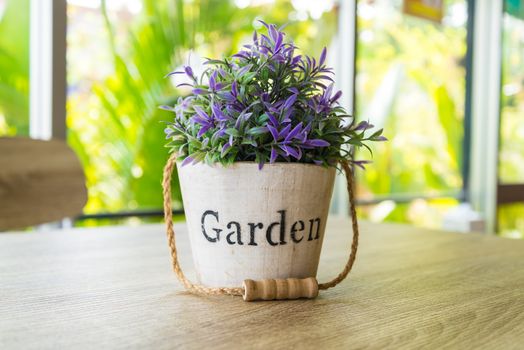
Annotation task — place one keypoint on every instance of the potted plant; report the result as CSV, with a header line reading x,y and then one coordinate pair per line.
x,y
258,141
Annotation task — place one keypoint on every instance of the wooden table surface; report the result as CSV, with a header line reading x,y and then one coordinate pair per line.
x,y
113,287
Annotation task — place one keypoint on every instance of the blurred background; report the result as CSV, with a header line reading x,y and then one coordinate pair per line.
x,y
445,78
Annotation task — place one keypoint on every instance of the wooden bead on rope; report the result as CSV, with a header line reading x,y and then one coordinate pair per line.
x,y
280,289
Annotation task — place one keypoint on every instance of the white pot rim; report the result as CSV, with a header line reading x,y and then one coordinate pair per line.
x,y
253,164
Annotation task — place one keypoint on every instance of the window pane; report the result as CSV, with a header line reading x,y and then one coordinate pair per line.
x,y
511,157
411,81
101,134
116,80
14,67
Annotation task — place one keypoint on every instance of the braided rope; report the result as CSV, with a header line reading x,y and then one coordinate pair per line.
x,y
168,216
354,222
239,291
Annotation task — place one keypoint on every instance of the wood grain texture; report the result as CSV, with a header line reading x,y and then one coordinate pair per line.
x,y
409,289
40,181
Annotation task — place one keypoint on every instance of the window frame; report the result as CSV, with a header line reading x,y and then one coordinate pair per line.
x,y
47,72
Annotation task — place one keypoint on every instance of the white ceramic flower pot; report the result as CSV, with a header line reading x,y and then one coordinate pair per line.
x,y
246,223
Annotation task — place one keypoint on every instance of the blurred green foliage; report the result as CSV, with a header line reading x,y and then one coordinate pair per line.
x,y
411,81
511,220
122,149
511,156
14,68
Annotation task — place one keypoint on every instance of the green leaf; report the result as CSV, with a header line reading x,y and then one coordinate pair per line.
x,y
232,131
249,76
223,153
218,62
215,138
263,118
258,130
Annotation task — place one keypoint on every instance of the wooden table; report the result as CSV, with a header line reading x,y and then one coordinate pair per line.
x,y
113,287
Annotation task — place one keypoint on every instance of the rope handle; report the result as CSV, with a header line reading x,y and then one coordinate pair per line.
x,y
269,289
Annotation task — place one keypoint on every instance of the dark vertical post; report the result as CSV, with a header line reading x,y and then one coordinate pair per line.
x,y
59,73
466,142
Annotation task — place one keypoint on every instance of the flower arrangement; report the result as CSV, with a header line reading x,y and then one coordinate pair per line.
x,y
265,104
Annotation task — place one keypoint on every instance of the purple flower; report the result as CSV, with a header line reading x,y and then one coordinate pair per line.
x,y
295,61
273,156
199,120
263,50
291,151
218,114
228,96
361,163
282,134
363,125
293,133
222,72
202,118
226,146
187,160
289,102
327,92
212,80
204,129
242,54
189,72
273,119
243,70
273,131
278,42
322,57
199,91
234,88
169,132
264,23
200,112
316,143
273,34
335,97
173,73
